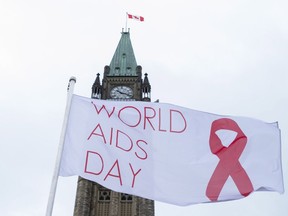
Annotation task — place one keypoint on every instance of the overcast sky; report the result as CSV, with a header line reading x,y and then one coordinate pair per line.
x,y
226,57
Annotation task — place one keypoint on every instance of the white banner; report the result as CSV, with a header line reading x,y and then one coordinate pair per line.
x,y
169,153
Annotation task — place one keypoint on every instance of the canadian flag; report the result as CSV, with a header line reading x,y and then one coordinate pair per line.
x,y
139,18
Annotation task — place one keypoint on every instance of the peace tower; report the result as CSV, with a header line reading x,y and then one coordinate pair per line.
x,y
122,80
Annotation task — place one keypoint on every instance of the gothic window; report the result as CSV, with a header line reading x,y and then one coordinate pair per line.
x,y
126,204
128,70
104,195
117,70
126,197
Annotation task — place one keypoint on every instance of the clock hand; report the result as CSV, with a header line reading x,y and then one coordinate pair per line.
x,y
124,93
120,92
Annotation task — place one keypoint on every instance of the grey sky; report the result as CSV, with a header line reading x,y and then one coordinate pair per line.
x,y
224,57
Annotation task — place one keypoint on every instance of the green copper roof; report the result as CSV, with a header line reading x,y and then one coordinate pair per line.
x,y
123,62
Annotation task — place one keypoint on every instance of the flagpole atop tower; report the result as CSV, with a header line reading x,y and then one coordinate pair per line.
x,y
126,22
50,204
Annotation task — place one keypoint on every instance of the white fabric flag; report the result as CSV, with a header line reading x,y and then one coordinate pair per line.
x,y
169,153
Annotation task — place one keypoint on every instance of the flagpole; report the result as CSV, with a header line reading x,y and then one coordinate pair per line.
x,y
70,90
126,22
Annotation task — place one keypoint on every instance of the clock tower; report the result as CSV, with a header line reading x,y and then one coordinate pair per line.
x,y
122,80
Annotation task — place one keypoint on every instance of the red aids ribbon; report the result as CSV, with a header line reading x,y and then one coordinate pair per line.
x,y
229,164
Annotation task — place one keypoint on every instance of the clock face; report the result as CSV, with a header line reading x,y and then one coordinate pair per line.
x,y
121,92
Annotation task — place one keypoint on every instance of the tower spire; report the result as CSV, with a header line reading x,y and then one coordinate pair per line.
x,y
146,89
96,88
123,62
